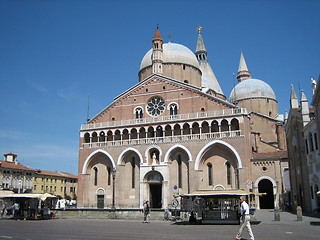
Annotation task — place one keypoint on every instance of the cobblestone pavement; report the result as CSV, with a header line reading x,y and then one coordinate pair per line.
x,y
69,229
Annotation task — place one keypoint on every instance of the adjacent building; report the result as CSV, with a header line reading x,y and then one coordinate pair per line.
x,y
304,154
21,179
15,176
62,185
175,132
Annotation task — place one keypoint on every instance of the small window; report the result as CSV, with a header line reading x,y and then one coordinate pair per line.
x,y
184,67
173,107
95,176
139,113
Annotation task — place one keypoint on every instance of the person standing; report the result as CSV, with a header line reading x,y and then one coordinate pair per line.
x,y
245,219
16,209
146,212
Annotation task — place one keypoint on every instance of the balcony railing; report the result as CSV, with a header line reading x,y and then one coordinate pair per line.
x,y
179,117
166,139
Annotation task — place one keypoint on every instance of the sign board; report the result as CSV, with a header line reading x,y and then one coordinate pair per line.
x,y
249,184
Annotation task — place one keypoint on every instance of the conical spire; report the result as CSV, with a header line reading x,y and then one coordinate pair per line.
x,y
200,44
242,64
208,78
157,34
243,72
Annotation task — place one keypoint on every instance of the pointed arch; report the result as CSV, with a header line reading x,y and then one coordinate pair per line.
x,y
86,162
166,157
205,148
127,150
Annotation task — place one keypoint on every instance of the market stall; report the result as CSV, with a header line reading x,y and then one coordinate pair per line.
x,y
213,206
31,205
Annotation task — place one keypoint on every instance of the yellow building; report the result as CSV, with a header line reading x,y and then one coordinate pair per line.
x,y
59,184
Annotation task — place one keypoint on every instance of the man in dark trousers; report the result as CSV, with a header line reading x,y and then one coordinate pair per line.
x,y
146,212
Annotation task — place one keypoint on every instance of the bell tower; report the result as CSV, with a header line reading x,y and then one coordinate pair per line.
x,y
157,53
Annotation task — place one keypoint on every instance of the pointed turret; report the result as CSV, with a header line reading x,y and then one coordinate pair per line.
x,y
304,109
157,46
293,98
201,51
208,78
243,72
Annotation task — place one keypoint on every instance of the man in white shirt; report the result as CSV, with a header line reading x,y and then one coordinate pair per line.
x,y
245,219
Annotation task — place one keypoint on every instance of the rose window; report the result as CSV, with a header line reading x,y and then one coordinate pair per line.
x,y
155,106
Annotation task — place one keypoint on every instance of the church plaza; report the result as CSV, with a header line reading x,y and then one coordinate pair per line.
x,y
265,228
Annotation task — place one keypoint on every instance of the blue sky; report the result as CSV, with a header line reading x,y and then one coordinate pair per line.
x,y
53,54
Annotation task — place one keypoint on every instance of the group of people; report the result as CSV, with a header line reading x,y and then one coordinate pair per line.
x,y
15,208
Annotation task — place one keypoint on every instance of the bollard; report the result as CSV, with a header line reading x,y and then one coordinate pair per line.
x,y
299,213
277,213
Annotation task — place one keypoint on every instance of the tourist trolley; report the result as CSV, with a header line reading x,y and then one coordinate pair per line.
x,y
213,206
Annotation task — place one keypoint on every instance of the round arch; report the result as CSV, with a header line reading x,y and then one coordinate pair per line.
x,y
86,162
127,150
202,151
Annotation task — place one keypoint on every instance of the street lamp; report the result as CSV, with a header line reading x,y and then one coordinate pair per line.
x,y
113,187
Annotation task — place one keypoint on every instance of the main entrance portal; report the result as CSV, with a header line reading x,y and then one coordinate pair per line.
x,y
155,195
154,180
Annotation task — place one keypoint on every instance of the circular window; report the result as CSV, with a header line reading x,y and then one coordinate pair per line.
x,y
264,169
156,106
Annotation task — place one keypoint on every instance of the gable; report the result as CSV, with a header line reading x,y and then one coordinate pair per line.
x,y
187,98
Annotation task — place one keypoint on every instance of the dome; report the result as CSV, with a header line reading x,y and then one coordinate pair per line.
x,y
251,88
172,53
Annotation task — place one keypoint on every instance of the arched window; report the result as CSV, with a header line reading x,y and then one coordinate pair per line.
x,y
179,171
133,172
94,137
139,113
95,183
102,137
205,127
173,108
87,138
214,126
209,166
224,125
228,173
177,130
234,124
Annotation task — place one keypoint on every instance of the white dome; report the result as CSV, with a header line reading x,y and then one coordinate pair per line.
x,y
172,53
251,88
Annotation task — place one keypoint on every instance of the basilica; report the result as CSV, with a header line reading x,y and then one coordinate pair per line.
x,y
175,132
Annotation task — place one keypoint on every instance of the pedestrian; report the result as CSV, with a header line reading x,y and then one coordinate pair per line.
x,y
3,209
245,219
16,209
146,212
